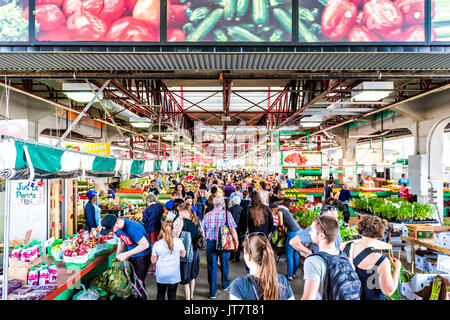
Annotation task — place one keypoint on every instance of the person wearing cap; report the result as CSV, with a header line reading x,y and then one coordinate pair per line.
x,y
133,235
91,211
303,238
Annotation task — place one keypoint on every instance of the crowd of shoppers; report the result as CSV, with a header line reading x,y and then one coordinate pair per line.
x,y
253,208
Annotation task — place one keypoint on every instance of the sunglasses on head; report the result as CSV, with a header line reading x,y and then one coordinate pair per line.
x,y
323,229
247,237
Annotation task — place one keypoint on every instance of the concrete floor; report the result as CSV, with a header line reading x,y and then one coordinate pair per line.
x,y
235,270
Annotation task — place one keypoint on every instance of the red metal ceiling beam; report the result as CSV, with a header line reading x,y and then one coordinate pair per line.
x,y
309,104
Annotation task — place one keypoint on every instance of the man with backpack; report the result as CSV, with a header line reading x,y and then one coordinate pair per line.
x,y
329,274
134,236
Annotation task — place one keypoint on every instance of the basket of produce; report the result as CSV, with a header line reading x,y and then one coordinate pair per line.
x,y
57,253
111,240
76,258
55,243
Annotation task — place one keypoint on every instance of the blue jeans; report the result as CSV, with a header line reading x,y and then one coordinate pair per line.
x,y
211,259
292,256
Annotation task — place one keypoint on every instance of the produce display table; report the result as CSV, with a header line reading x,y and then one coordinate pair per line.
x,y
428,243
67,278
134,196
112,211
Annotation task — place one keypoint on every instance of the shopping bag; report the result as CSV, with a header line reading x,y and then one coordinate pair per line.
x,y
225,241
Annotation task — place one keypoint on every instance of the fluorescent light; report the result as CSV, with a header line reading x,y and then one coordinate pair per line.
x,y
140,124
383,89
82,96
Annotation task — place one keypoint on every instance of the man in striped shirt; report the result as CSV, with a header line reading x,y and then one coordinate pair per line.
x,y
211,223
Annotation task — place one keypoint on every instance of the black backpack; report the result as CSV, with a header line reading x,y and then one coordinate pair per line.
x,y
341,281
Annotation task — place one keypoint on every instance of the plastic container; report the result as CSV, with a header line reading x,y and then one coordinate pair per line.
x,y
16,253
33,277
44,276
26,254
53,269
408,253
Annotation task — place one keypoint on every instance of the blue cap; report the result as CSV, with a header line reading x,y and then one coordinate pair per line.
x,y
91,193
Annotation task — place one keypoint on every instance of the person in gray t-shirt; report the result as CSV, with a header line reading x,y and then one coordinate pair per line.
x,y
303,238
323,233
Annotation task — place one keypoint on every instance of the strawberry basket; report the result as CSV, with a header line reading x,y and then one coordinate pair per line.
x,y
77,262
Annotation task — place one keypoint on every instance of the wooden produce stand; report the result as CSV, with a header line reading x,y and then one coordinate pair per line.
x,y
67,279
428,243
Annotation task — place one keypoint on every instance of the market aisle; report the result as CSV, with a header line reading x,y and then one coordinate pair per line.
x,y
235,270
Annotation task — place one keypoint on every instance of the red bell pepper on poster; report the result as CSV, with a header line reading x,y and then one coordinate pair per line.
x,y
175,35
93,6
130,5
178,17
356,2
382,15
360,19
71,6
112,10
57,3
337,18
392,35
362,34
49,17
148,10
413,11
417,34
85,26
130,30
60,34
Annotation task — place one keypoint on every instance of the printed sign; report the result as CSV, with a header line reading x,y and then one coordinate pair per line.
x,y
302,160
101,149
25,194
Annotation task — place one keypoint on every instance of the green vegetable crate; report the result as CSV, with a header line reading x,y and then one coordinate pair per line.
x,y
420,231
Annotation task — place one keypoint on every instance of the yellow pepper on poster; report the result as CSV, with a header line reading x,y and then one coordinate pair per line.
x,y
101,149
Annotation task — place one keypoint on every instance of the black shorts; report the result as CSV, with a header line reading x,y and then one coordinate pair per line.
x,y
190,270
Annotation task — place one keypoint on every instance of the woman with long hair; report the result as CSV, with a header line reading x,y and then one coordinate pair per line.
x,y
181,191
256,218
166,254
190,270
263,281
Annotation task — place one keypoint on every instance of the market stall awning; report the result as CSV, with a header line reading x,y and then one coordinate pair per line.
x,y
19,159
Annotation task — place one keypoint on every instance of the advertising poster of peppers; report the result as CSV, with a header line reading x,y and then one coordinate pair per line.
x,y
440,20
230,21
362,20
13,24
98,20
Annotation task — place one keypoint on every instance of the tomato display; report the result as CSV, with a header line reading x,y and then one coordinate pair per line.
x,y
98,20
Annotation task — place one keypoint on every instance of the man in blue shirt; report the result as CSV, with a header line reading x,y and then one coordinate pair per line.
x,y
134,236
303,239
403,180
111,192
169,204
